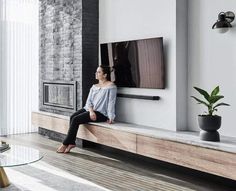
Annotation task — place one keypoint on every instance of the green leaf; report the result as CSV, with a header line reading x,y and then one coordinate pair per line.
x,y
220,104
211,99
214,99
202,92
200,101
215,91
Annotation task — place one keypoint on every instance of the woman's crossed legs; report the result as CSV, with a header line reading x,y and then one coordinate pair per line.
x,y
79,117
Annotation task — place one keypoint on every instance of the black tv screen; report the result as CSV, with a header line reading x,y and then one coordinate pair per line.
x,y
136,63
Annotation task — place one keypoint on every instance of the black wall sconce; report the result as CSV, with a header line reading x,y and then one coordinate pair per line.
x,y
222,25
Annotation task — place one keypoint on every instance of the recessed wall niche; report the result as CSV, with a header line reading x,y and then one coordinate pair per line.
x,y
68,45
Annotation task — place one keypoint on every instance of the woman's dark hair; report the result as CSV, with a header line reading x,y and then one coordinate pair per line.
x,y
106,70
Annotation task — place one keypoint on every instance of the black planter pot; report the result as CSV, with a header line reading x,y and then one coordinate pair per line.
x,y
209,125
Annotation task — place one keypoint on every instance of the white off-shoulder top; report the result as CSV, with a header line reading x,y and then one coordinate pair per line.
x,y
102,99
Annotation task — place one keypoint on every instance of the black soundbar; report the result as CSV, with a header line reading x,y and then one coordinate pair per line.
x,y
138,96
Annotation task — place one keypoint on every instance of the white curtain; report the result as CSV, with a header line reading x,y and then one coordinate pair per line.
x,y
18,64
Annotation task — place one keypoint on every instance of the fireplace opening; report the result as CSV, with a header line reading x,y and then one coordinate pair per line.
x,y
60,95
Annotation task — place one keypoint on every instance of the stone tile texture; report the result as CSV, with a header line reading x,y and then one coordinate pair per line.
x,y
68,45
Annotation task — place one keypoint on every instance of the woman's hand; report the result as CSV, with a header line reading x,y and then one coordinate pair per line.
x,y
93,115
110,121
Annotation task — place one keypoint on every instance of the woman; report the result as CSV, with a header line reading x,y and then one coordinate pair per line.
x,y
99,107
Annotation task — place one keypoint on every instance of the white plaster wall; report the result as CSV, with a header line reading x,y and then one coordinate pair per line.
x,y
212,60
181,63
137,19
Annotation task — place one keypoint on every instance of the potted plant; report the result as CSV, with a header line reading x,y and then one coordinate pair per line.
x,y
208,122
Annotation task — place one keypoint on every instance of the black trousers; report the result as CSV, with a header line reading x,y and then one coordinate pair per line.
x,y
80,117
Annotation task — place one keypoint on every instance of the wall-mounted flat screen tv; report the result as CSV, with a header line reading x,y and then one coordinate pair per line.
x,y
136,63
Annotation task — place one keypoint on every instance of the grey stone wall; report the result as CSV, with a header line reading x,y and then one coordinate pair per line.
x,y
57,136
68,44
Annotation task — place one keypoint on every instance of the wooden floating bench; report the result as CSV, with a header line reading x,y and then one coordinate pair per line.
x,y
181,148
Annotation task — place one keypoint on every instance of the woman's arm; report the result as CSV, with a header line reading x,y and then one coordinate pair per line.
x,y
89,103
111,104
89,106
92,114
